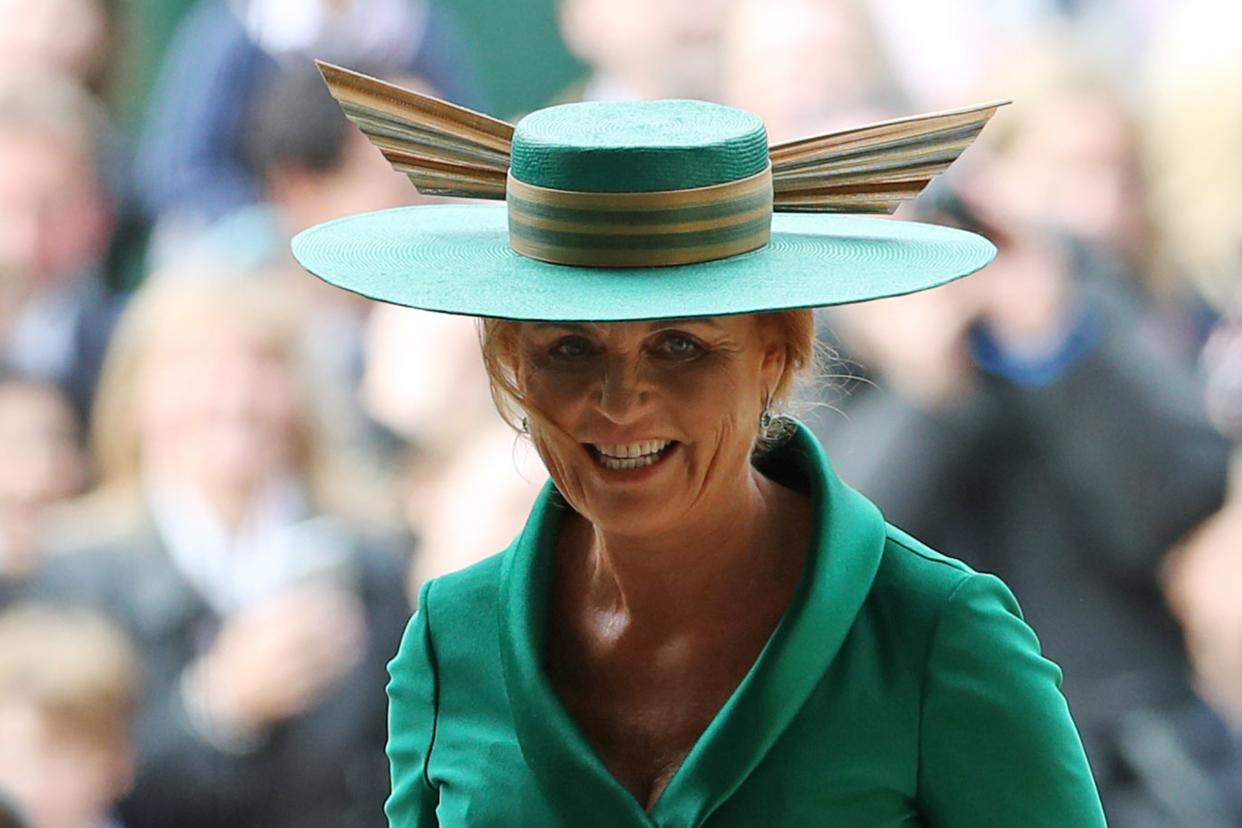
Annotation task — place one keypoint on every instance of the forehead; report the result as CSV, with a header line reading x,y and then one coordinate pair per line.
x,y
738,325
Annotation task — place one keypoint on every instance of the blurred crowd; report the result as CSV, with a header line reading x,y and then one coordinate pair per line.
x,y
221,482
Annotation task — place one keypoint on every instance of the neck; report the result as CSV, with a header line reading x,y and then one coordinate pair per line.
x,y
232,505
695,571
231,502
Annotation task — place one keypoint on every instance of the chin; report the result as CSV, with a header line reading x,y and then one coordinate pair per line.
x,y
631,515
634,501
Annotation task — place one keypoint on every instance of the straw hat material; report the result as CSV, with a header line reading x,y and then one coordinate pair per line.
x,y
631,210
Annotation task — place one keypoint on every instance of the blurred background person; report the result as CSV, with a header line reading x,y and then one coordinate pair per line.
x,y
313,166
645,49
1071,160
1202,577
60,38
224,539
190,166
468,481
1222,364
944,53
1202,582
69,688
1068,454
807,66
1194,122
491,474
417,377
56,313
42,463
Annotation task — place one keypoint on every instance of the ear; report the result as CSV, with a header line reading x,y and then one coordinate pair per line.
x,y
775,354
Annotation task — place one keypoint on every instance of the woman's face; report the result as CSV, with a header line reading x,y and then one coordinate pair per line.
x,y
645,426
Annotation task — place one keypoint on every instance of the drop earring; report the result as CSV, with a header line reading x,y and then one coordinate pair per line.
x,y
766,417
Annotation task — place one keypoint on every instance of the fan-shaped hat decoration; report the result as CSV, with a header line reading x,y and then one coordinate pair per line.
x,y
636,210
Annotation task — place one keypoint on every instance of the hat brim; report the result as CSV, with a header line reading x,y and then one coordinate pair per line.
x,y
457,259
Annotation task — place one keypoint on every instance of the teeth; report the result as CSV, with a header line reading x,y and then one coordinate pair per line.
x,y
628,462
632,455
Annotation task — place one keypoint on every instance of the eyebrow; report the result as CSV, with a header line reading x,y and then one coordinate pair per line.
x,y
654,324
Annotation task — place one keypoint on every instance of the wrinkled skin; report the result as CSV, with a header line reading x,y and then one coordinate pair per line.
x,y
668,586
702,383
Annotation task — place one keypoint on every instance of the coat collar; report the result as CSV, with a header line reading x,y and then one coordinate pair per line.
x,y
847,543
162,600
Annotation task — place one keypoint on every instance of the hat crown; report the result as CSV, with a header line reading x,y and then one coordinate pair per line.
x,y
637,146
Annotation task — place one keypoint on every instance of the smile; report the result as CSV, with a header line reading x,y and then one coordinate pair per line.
x,y
624,456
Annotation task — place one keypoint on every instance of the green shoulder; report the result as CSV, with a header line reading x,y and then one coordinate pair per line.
x,y
457,599
921,578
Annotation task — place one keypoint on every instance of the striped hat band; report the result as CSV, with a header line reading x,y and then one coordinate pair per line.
x,y
650,229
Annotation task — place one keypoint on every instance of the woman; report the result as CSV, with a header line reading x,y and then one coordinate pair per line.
x,y
700,624
219,539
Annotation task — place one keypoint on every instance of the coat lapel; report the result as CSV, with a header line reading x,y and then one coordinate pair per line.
x,y
574,780
847,542
163,601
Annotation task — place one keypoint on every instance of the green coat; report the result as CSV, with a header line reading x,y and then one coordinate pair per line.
x,y
901,688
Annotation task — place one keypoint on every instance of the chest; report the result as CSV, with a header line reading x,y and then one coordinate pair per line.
x,y
644,708
847,758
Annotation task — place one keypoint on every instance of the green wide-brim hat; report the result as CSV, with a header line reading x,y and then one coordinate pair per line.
x,y
640,210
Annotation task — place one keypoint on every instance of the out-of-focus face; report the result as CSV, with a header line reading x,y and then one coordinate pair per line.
x,y
216,405
41,462
52,37
53,215
647,426
40,458
800,65
1076,168
669,47
360,182
58,780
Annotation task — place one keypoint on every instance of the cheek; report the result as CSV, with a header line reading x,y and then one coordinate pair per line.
x,y
556,401
722,419
712,393
168,401
276,399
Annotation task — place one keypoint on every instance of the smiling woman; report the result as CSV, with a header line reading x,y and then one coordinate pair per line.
x,y
648,429
700,624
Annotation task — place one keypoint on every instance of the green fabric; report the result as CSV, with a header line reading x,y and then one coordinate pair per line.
x,y
456,258
637,146
900,689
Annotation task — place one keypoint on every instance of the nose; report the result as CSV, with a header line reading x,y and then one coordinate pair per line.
x,y
623,394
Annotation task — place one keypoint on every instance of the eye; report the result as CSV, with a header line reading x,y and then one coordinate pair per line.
x,y
678,346
571,347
